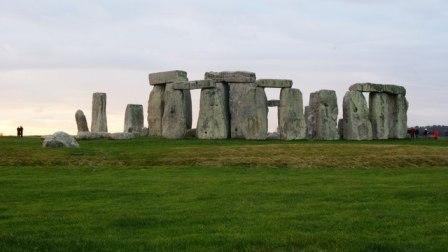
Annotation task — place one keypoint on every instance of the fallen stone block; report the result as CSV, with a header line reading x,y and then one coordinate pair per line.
x,y
161,78
121,136
274,83
59,140
91,135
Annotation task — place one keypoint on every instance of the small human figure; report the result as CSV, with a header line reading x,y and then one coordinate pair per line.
x,y
435,134
21,131
417,132
425,133
18,131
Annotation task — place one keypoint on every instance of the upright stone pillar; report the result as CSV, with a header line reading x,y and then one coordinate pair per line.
x,y
155,110
213,121
99,118
176,113
247,104
324,115
379,115
402,116
166,105
291,121
133,118
356,122
81,121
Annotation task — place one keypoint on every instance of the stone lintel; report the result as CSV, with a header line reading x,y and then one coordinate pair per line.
x,y
273,103
199,84
231,77
378,88
161,78
274,83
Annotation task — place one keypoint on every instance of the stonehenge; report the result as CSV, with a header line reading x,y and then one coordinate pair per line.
x,y
81,121
133,118
235,105
99,118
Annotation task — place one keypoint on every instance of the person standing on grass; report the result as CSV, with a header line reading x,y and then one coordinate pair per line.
x,y
417,132
18,131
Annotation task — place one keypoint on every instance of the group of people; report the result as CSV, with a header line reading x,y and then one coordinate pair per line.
x,y
415,132
20,131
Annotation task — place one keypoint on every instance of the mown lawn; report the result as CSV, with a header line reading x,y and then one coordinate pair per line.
x,y
155,194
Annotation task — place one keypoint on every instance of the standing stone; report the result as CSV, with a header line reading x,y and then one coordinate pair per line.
x,y
291,121
248,111
379,115
213,121
155,110
133,118
176,114
357,125
324,113
309,119
99,118
402,117
81,121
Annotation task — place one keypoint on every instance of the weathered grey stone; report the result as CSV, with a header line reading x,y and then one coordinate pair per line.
x,y
248,111
379,115
155,110
188,108
273,103
81,121
145,131
291,120
60,139
199,84
133,118
191,133
99,118
167,77
231,77
121,136
274,83
357,125
213,121
176,114
92,135
273,136
397,116
324,114
378,88
310,123
341,128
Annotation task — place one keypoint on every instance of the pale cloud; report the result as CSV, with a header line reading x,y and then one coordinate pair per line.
x,y
54,54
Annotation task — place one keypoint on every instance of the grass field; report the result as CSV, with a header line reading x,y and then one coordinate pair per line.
x,y
155,194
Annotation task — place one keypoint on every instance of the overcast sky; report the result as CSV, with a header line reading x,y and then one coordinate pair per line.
x,y
55,54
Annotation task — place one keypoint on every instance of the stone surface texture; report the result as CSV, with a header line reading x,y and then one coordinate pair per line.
x,y
81,121
248,111
133,118
378,88
177,112
60,139
231,77
91,135
274,83
161,78
273,103
213,121
121,136
199,84
155,111
99,118
291,120
356,122
379,115
323,115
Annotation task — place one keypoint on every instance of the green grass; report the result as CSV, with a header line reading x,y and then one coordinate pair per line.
x,y
156,194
